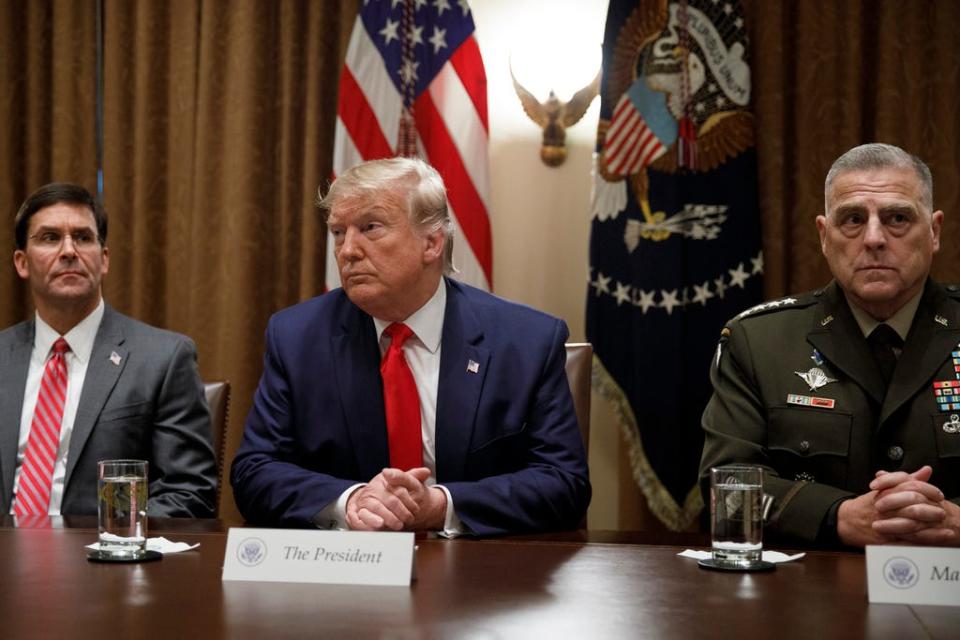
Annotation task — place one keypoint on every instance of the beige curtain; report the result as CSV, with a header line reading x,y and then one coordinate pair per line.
x,y
219,120
47,90
830,75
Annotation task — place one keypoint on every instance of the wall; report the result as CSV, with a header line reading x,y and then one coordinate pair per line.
x,y
539,214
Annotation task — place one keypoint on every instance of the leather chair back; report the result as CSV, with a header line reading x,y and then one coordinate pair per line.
x,y
218,399
579,371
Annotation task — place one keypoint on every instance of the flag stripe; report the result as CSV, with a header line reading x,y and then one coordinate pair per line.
x,y
466,130
466,60
360,121
379,93
450,114
463,196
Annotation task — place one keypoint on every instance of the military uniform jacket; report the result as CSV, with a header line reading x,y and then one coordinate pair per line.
x,y
824,444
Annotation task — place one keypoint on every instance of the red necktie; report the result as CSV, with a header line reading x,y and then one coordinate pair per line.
x,y
401,402
36,474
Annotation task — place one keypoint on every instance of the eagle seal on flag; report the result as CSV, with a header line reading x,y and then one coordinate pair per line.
x,y
675,230
681,96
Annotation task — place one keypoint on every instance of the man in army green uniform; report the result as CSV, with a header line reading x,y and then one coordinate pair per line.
x,y
850,396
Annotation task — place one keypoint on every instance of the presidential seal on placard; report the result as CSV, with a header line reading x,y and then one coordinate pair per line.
x,y
901,573
251,551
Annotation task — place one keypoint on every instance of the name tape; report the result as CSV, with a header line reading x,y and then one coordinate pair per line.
x,y
322,557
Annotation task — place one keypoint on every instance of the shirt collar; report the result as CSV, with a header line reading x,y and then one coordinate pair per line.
x,y
899,321
80,337
426,322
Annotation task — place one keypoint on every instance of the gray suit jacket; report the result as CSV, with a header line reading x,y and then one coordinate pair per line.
x,y
149,406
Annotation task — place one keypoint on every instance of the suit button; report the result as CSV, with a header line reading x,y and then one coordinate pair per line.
x,y
895,453
804,446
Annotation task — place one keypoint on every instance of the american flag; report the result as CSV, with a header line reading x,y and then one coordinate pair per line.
x,y
640,130
414,84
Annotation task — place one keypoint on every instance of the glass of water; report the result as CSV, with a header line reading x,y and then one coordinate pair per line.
x,y
122,507
736,515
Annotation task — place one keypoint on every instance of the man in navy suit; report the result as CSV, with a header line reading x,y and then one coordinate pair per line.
x,y
501,448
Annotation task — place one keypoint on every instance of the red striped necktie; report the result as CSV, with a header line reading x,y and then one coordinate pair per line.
x,y
36,474
401,403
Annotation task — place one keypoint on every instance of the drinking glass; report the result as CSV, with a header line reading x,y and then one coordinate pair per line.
x,y
122,507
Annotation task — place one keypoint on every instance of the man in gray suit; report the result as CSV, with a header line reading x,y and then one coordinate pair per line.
x,y
131,390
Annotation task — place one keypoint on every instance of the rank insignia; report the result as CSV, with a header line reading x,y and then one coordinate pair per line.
x,y
810,401
947,394
815,378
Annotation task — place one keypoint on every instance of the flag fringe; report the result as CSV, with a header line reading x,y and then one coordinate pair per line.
x,y
659,500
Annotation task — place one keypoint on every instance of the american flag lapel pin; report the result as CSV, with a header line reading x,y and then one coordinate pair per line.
x,y
115,358
473,366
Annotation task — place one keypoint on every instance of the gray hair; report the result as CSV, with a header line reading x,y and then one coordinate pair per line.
x,y
877,155
423,187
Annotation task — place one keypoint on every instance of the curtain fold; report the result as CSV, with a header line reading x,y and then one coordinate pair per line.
x,y
219,120
48,75
830,75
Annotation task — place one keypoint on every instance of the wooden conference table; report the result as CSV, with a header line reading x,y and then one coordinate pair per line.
x,y
574,585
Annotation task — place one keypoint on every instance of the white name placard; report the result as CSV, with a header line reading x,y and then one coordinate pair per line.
x,y
913,575
325,557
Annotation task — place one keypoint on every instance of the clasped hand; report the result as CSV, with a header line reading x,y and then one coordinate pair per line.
x,y
397,500
901,508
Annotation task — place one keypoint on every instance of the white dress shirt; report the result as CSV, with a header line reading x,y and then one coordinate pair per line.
x,y
422,352
80,338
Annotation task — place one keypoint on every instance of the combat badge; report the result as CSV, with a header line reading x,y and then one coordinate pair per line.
x,y
952,426
815,378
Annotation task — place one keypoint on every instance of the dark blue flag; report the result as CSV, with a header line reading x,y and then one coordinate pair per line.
x,y
675,236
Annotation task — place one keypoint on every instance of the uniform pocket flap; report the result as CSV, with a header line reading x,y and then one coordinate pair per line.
x,y
809,432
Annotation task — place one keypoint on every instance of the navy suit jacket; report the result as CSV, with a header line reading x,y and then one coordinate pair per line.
x,y
508,447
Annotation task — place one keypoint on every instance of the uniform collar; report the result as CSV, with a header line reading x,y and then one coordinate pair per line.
x,y
901,321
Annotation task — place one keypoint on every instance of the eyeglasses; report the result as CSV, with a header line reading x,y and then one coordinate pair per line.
x,y
51,239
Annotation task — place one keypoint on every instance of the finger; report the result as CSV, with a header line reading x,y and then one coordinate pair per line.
x,y
897,526
420,473
923,474
399,501
355,523
391,482
398,478
376,521
936,536
393,512
888,479
912,490
925,513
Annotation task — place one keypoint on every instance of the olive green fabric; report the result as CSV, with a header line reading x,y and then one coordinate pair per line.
x,y
817,455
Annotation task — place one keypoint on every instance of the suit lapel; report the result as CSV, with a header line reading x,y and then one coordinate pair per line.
x,y
357,370
463,367
837,336
928,344
103,371
14,365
